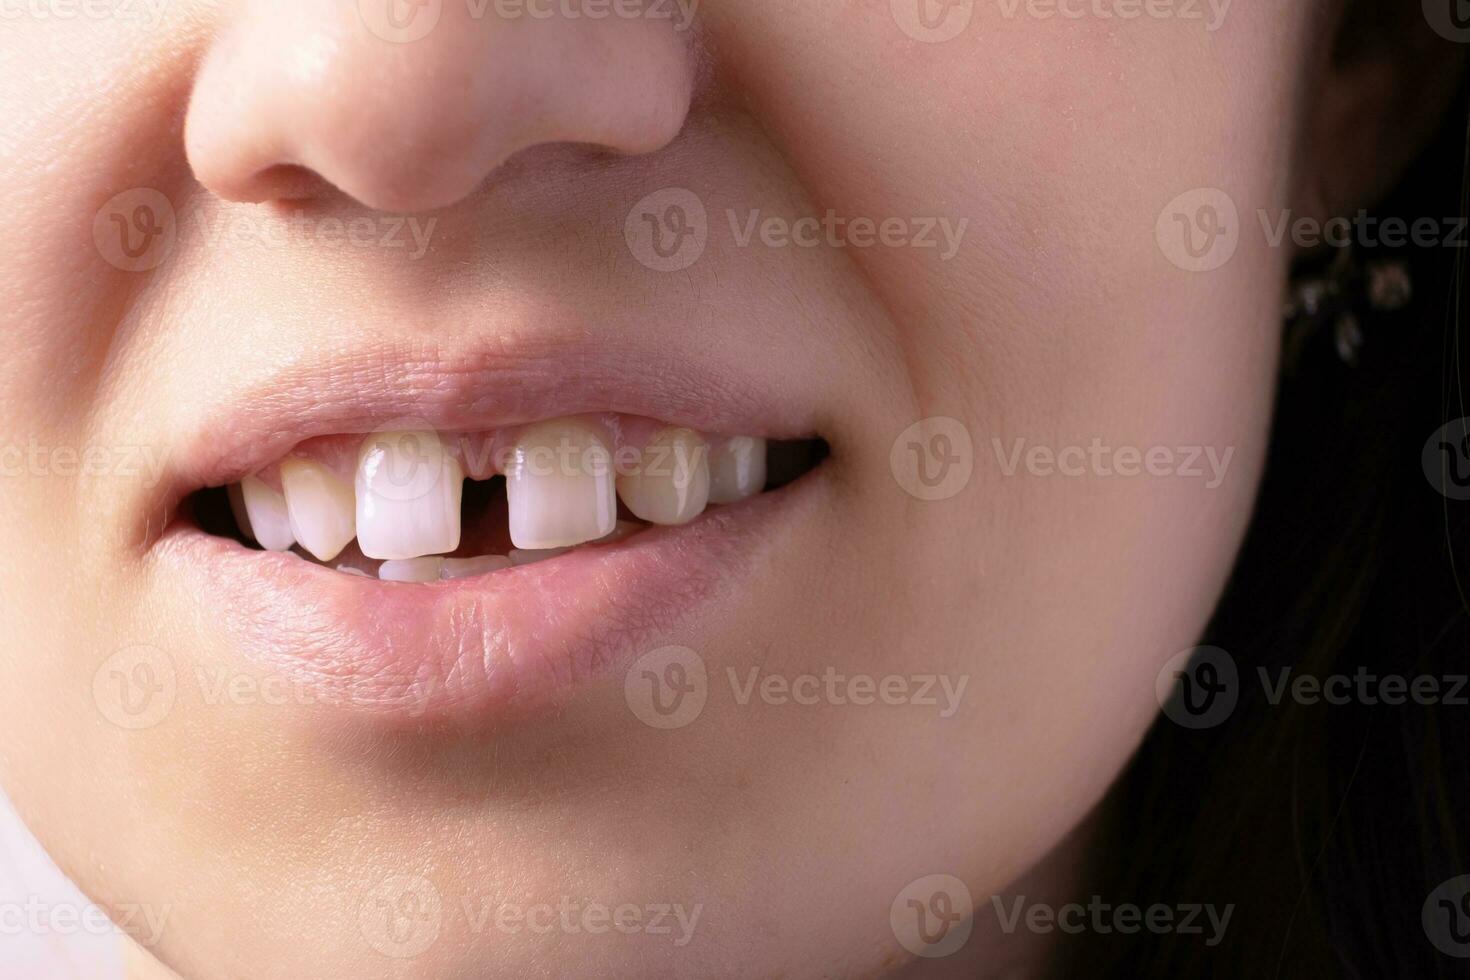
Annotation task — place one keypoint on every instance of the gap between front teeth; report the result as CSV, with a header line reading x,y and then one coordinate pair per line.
x,y
402,499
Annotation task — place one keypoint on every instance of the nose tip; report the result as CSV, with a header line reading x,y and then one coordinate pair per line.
x,y
405,114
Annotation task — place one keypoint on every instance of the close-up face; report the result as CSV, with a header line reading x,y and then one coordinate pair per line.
x,y
555,488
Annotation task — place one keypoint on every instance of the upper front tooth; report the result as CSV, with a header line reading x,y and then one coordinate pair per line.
x,y
266,510
559,486
320,507
408,493
737,469
670,485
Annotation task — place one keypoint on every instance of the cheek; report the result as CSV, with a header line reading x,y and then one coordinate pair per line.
x,y
1112,388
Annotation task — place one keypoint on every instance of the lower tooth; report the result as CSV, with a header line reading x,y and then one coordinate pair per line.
x,y
412,569
470,567
525,556
266,513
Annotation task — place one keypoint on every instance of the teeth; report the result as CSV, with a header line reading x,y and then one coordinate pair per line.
x,y
470,567
519,557
671,482
737,469
265,512
408,493
559,486
237,508
320,507
412,569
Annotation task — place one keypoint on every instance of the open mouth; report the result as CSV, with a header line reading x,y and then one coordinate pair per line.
x,y
471,537
416,506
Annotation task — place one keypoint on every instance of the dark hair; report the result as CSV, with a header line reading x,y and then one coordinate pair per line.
x,y
1326,826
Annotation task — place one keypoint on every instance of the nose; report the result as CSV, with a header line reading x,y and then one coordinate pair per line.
x,y
408,105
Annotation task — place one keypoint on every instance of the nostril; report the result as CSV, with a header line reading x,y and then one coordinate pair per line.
x,y
286,182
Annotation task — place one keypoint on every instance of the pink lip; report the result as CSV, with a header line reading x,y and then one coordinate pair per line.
x,y
497,646
474,389
486,649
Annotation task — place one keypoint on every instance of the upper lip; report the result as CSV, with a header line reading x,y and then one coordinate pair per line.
x,y
474,386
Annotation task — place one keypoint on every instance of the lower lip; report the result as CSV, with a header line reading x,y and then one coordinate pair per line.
x,y
499,647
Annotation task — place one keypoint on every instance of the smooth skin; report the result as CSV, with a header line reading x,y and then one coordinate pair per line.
x,y
1059,320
